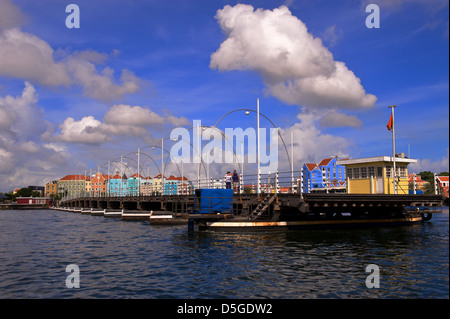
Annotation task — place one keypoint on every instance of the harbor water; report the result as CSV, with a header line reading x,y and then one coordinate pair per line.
x,y
125,259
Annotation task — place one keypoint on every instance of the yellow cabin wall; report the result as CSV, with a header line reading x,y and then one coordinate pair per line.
x,y
362,185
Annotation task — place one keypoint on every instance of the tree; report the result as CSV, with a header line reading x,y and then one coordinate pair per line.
x,y
24,192
427,176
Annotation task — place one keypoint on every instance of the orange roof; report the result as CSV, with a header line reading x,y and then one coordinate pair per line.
x,y
443,178
325,161
311,166
418,179
74,178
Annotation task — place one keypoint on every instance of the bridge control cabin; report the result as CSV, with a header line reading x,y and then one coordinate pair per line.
x,y
374,175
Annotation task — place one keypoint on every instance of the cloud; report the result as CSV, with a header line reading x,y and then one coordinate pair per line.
x,y
336,119
10,15
119,121
437,166
7,160
332,35
26,56
139,116
83,131
101,86
310,144
295,66
24,160
132,115
19,115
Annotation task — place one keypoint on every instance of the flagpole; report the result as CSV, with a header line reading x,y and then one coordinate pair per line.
x,y
393,147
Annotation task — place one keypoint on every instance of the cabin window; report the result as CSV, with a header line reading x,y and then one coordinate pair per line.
x,y
388,171
349,173
363,172
402,172
356,172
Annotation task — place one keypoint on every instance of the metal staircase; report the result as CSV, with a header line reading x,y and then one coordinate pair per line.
x,y
262,207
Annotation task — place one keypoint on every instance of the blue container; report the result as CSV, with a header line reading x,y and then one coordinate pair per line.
x,y
213,201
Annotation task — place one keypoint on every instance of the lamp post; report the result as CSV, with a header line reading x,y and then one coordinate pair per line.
x,y
259,147
138,175
242,168
292,162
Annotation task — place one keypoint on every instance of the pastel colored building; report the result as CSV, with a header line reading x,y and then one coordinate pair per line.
x,y
443,184
99,184
147,186
158,182
417,179
51,188
374,175
71,185
134,184
34,200
328,174
118,185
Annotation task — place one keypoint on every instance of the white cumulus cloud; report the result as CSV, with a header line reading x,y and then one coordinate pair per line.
x,y
295,66
26,56
85,130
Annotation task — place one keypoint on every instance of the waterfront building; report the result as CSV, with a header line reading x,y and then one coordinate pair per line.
x,y
87,186
171,185
312,177
325,176
184,185
374,175
158,182
72,185
51,188
417,179
147,186
332,173
134,184
118,185
99,184
34,200
443,184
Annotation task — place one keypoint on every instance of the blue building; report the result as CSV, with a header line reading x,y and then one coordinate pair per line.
x,y
134,185
325,175
118,185
171,185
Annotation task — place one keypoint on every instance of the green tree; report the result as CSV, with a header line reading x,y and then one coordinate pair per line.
x,y
427,176
24,192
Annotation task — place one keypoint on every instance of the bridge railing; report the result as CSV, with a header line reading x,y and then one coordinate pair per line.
x,y
277,182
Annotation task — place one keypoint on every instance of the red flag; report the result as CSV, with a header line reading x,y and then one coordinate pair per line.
x,y
390,124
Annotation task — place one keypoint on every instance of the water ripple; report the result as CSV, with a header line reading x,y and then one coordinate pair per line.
x,y
119,259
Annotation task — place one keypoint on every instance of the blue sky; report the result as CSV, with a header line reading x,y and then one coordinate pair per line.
x,y
72,99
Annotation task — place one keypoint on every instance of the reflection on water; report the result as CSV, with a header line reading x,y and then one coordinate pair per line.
x,y
119,259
